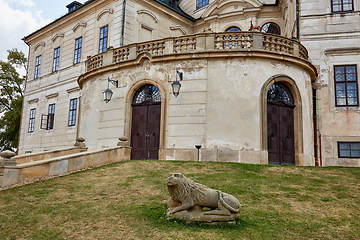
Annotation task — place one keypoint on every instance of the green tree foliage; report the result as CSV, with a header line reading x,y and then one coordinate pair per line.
x,y
11,97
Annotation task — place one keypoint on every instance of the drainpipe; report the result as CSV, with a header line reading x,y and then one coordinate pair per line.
x,y
297,20
320,150
317,164
123,23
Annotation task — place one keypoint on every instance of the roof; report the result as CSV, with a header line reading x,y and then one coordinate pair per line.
x,y
162,2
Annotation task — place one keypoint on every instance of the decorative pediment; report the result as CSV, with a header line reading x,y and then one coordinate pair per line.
x,y
222,7
153,16
40,44
103,12
58,35
178,27
78,25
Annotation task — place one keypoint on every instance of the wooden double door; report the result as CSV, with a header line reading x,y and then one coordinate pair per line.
x,y
280,125
145,131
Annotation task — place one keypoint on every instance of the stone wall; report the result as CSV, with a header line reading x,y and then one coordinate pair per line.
x,y
43,169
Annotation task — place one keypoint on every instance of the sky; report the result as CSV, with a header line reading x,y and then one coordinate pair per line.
x,y
19,18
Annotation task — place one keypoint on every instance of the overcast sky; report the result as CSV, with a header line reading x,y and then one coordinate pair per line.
x,y
19,18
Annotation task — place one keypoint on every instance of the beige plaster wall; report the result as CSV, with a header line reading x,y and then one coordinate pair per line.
x,y
332,39
219,107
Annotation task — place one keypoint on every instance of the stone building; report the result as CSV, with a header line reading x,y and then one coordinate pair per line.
x,y
246,90
331,33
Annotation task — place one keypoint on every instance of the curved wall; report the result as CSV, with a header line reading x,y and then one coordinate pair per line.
x,y
219,107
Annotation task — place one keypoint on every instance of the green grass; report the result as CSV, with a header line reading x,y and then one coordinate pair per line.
x,y
128,201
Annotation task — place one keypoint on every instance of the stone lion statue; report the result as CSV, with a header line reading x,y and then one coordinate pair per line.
x,y
191,201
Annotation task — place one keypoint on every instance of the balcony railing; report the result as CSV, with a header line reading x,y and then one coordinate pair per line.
x,y
215,42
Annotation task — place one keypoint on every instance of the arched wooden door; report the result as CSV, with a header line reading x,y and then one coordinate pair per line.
x,y
280,125
145,128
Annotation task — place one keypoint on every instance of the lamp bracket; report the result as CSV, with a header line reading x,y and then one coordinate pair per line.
x,y
113,82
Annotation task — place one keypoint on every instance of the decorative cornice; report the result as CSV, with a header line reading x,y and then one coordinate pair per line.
x,y
58,35
71,90
54,95
178,27
35,100
108,10
80,24
143,11
40,44
342,51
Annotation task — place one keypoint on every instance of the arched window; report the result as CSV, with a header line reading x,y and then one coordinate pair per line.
x,y
233,29
147,94
271,27
280,94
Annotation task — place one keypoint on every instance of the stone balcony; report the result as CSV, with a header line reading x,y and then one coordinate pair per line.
x,y
251,43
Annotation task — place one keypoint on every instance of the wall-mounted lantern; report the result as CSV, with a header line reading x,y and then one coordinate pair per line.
x,y
176,85
107,92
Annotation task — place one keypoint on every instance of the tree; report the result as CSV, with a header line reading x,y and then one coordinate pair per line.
x,y
11,97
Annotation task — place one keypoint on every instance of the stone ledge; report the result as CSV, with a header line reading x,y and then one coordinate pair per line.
x,y
40,162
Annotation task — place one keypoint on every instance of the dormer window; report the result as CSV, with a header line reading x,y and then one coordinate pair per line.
x,y
342,5
201,3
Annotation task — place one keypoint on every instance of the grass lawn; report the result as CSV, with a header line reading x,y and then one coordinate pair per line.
x,y
127,201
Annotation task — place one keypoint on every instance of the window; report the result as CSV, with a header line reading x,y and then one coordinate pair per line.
x,y
77,52
233,29
346,87
50,117
271,27
37,67
72,112
349,149
32,120
103,39
56,59
342,5
201,3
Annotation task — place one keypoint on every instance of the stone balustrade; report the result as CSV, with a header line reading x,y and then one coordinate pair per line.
x,y
206,42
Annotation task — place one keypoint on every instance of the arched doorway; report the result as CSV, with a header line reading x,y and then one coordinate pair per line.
x,y
280,125
145,128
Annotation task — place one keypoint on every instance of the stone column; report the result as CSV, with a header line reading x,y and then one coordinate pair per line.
x,y
123,142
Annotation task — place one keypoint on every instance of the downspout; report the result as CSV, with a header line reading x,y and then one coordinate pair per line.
x,y
297,20
123,23
317,164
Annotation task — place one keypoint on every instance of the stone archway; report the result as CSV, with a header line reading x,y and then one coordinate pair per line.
x,y
294,112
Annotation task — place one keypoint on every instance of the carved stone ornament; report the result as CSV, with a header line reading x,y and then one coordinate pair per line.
x,y
192,202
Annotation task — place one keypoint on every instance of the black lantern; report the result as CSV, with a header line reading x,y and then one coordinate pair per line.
x,y
176,85
107,92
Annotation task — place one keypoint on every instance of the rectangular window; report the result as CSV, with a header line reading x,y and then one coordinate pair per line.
x,y
346,86
201,3
72,112
349,149
77,52
342,5
56,59
51,117
37,67
32,120
103,39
